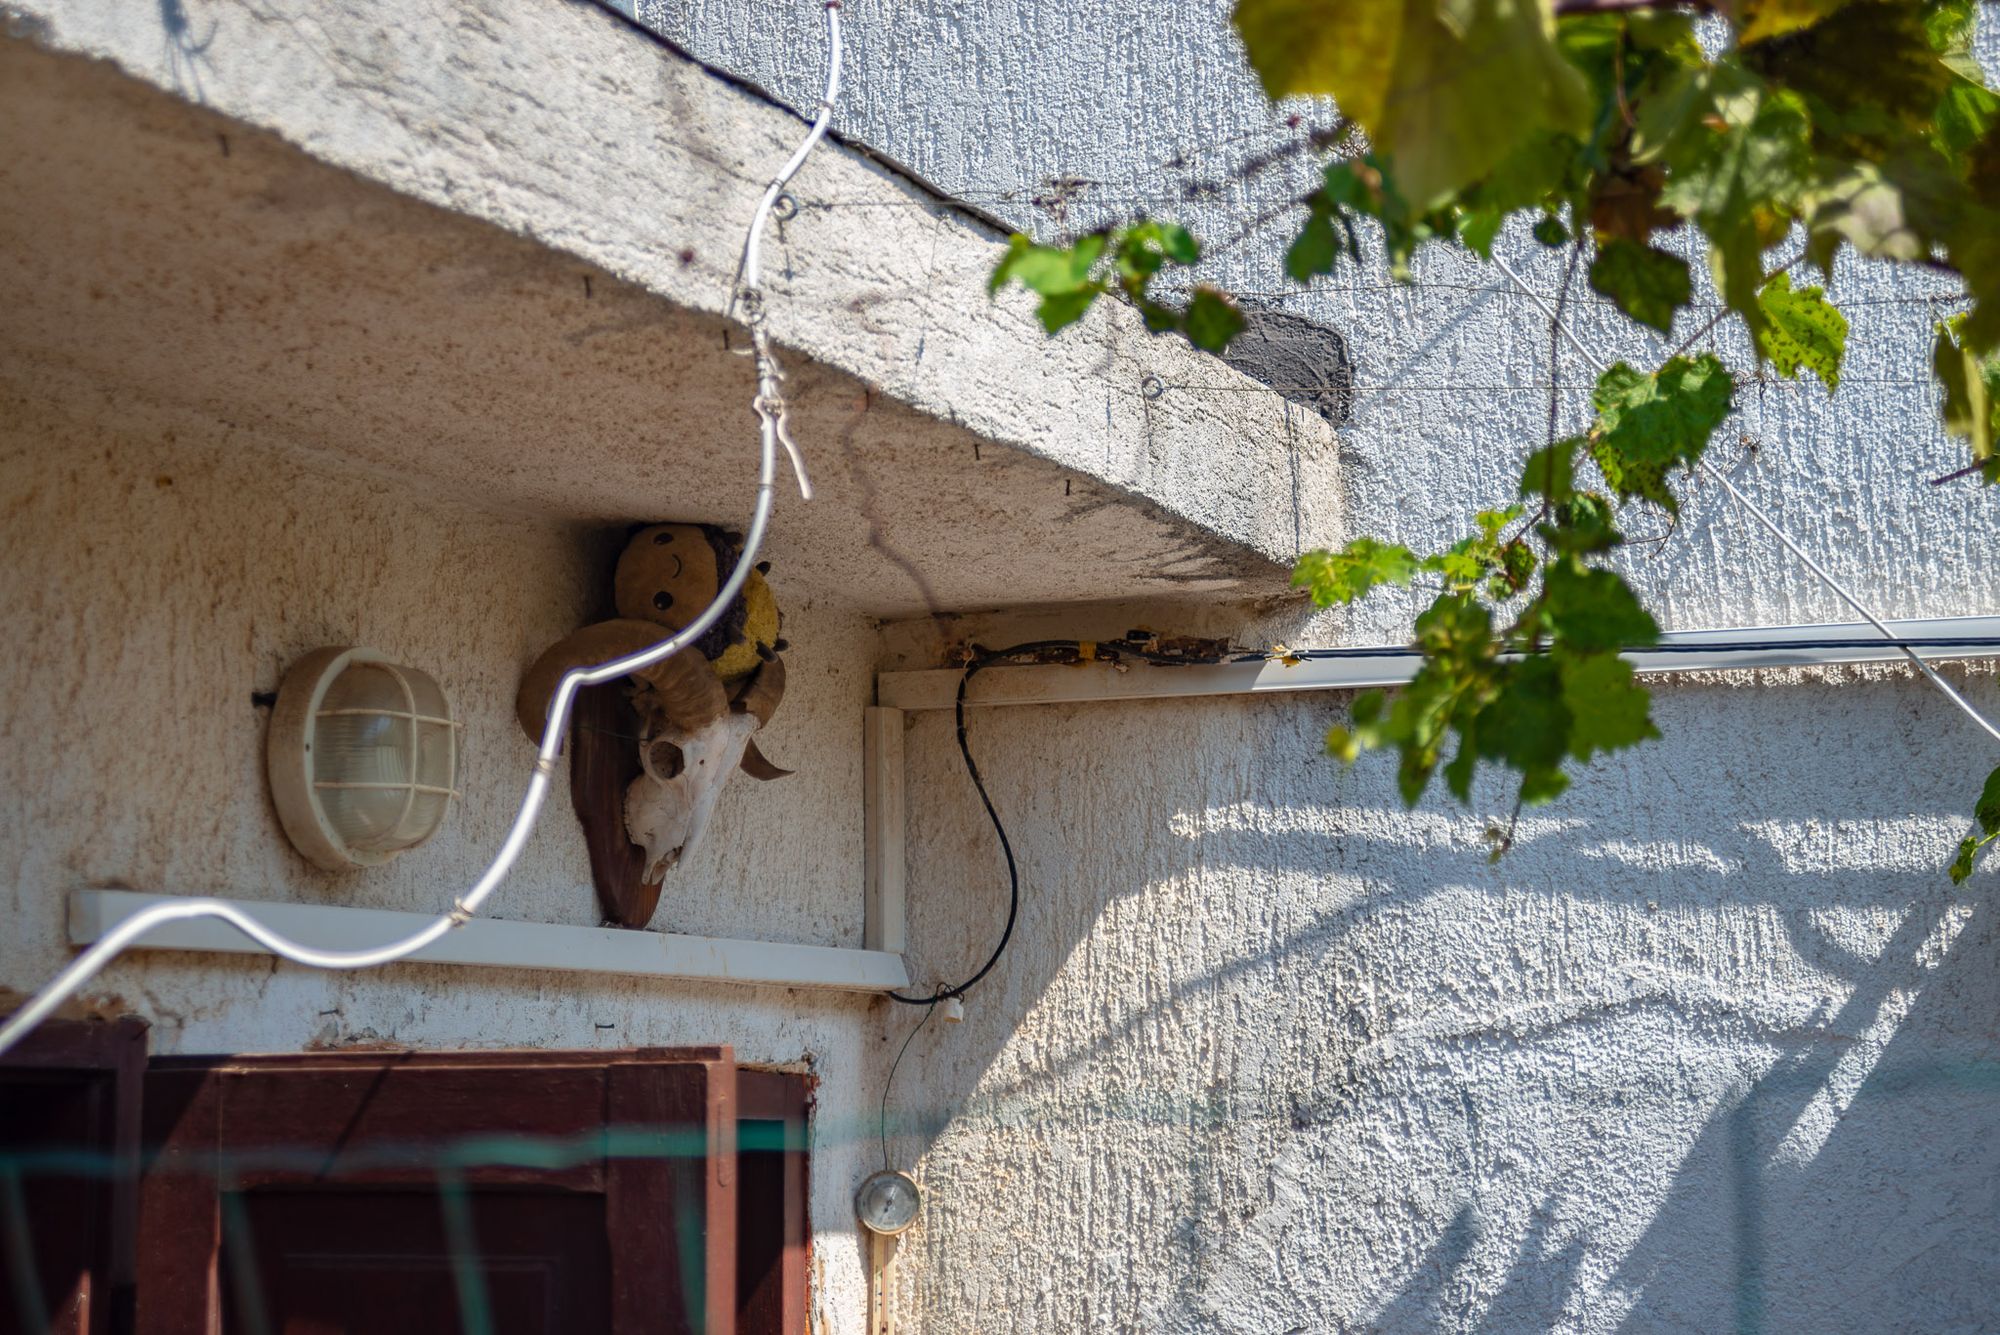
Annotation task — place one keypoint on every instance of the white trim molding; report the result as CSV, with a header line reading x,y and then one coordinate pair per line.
x,y
499,943
1392,665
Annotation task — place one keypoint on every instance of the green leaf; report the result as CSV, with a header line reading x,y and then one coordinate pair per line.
x,y
1348,574
1964,114
1048,270
1649,285
1741,168
1802,329
1549,230
1551,471
1968,849
1527,724
1584,524
1987,810
1316,248
1971,404
1987,814
1211,320
1868,74
1595,611
1443,90
1478,227
1607,710
1647,424
1178,243
1059,310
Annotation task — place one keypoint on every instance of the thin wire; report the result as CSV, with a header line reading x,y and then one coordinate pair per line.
x,y
1757,512
1006,847
882,1123
770,409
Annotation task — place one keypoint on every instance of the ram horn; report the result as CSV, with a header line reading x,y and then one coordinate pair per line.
x,y
761,691
683,686
757,766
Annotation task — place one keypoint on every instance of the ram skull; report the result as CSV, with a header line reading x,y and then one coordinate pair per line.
x,y
694,731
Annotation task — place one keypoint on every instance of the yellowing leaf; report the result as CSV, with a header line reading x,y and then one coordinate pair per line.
x,y
1759,19
1802,329
1444,90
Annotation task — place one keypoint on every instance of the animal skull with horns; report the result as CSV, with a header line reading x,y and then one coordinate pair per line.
x,y
696,710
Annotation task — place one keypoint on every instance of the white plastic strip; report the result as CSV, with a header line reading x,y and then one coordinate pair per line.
x,y
94,914
1679,651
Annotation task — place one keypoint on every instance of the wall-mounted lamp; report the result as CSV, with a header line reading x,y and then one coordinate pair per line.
x,y
363,757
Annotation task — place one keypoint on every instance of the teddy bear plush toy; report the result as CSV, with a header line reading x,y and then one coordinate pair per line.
x,y
648,760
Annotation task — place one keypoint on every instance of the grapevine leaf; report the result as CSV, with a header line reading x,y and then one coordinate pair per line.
x,y
1049,270
1647,424
1987,810
1478,228
1740,171
1211,320
1968,850
1758,20
1059,310
1649,285
1971,389
1608,712
1315,249
1868,74
1595,611
1348,574
1987,816
1527,724
1964,114
1444,91
1802,329
1584,524
1550,472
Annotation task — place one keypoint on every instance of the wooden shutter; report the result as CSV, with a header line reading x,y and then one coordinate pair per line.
x,y
70,1086
641,1143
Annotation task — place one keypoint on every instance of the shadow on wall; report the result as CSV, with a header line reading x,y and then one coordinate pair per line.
x,y
1712,1049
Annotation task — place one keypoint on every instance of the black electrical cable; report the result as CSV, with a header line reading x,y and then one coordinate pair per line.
x,y
1071,651
1013,871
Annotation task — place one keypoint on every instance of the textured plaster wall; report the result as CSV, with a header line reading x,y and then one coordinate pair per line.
x,y
155,583
1713,1049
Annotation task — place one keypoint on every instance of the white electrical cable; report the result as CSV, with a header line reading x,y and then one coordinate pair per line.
x,y
1777,531
770,407
750,269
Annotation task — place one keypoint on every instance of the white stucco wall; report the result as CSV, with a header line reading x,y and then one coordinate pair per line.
x,y
1712,1049
155,583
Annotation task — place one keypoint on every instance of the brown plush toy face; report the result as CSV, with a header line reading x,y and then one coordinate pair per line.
x,y
667,575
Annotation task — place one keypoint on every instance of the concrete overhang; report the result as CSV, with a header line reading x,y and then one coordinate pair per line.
x,y
487,251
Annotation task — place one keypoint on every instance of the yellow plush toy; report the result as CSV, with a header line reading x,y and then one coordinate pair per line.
x,y
670,572
666,576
